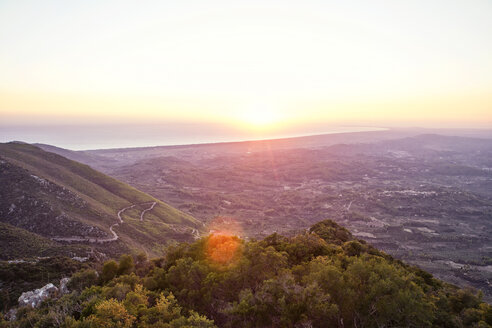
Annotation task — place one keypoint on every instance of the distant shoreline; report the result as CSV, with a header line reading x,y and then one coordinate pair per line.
x,y
241,140
107,138
92,138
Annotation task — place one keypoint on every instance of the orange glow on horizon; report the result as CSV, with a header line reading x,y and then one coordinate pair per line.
x,y
256,67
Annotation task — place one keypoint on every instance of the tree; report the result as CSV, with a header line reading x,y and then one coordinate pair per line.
x,y
111,314
126,265
109,270
136,301
82,279
331,232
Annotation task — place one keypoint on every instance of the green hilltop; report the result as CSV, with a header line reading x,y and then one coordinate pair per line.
x,y
323,277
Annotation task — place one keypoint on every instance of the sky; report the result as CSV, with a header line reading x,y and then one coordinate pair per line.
x,y
246,64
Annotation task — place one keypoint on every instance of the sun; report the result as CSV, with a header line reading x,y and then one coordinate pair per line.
x,y
259,115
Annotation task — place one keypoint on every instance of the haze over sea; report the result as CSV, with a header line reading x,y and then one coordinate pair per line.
x,y
83,137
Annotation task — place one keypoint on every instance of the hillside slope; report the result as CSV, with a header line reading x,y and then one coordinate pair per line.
x,y
69,202
323,277
18,243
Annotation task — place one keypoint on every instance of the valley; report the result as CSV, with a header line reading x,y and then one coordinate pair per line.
x,y
425,199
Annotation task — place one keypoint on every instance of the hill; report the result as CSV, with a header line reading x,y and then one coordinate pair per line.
x,y
69,202
92,160
323,277
18,243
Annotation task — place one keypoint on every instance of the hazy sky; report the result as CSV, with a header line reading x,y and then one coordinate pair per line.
x,y
249,63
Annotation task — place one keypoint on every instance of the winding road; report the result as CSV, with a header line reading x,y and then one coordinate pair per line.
x,y
146,210
195,233
115,236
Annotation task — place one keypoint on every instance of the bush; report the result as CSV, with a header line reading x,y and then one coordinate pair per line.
x,y
83,279
109,271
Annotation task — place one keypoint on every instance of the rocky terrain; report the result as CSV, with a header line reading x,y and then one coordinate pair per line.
x,y
54,201
27,202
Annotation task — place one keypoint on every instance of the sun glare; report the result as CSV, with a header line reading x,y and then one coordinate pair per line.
x,y
259,116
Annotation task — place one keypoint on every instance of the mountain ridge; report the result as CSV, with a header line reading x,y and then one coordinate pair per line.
x,y
40,186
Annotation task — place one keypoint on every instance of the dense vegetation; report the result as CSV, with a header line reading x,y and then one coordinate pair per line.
x,y
16,278
321,278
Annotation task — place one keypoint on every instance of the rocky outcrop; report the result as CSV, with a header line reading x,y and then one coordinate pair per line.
x,y
35,297
63,286
11,315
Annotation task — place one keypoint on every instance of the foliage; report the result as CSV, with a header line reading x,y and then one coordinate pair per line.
x,y
310,280
109,271
126,265
16,278
331,232
83,279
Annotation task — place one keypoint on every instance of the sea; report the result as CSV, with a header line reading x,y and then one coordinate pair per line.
x,y
86,137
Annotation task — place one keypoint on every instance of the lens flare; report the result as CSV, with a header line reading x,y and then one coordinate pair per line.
x,y
224,245
222,248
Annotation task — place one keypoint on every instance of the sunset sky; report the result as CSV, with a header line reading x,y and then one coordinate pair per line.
x,y
251,64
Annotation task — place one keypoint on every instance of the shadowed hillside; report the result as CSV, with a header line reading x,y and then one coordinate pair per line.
x,y
69,202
